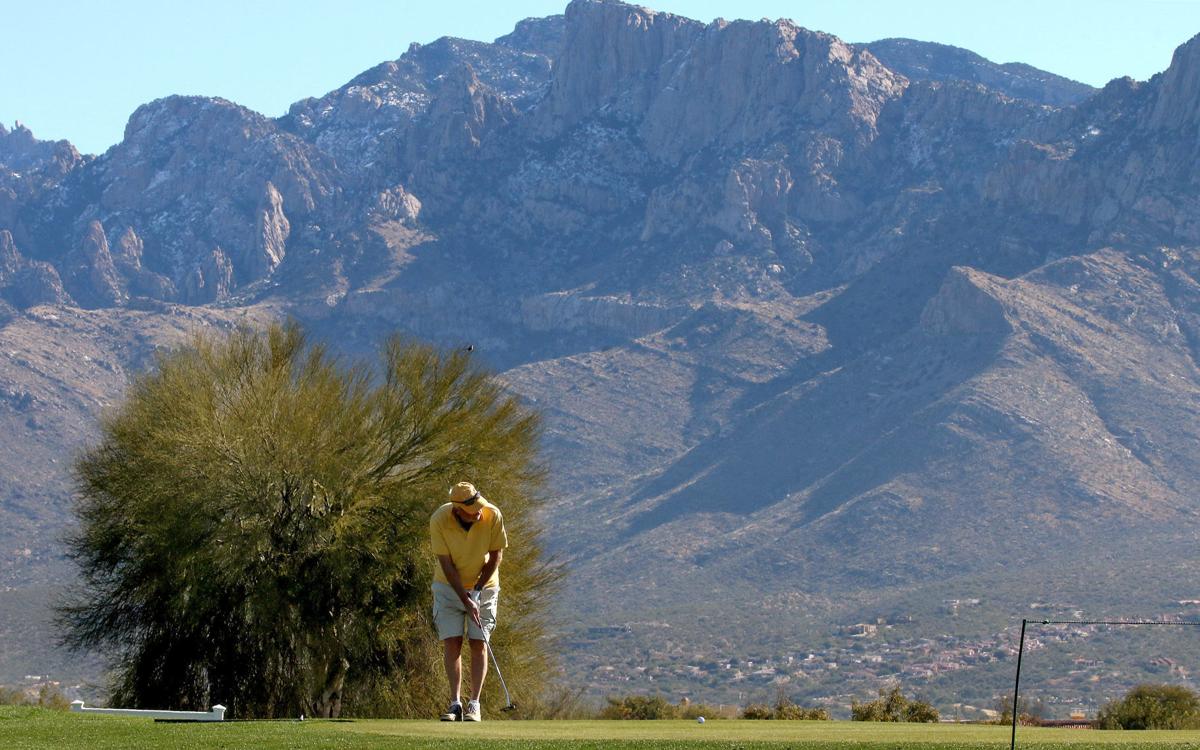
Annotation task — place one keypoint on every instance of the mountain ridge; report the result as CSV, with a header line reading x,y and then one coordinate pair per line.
x,y
799,323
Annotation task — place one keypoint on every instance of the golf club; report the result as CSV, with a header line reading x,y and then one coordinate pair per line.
x,y
488,642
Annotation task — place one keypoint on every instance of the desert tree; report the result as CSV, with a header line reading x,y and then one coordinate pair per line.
x,y
1151,706
253,526
892,705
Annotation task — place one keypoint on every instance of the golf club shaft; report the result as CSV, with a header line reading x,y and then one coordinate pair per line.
x,y
488,642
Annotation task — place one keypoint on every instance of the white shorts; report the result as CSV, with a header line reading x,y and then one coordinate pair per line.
x,y
450,616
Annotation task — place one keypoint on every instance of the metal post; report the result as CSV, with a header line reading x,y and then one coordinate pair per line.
x,y
1017,686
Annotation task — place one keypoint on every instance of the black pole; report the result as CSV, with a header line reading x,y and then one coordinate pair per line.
x,y
1017,686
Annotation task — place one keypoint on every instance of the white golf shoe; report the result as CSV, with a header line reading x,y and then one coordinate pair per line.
x,y
474,712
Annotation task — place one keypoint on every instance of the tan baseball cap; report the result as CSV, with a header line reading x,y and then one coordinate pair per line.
x,y
465,495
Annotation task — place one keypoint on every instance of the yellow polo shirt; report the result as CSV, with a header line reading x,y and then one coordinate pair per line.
x,y
468,549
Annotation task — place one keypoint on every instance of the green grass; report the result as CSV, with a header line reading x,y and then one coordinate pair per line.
x,y
34,729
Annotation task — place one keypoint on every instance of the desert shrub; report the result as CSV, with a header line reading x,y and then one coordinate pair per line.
x,y
920,712
48,696
1032,714
638,707
784,710
758,711
893,706
696,710
1152,707
11,696
51,697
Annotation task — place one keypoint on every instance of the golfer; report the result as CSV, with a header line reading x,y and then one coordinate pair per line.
x,y
468,539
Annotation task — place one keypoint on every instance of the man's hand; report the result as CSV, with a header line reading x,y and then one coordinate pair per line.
x,y
472,605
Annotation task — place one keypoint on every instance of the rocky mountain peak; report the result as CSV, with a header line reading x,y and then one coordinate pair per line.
x,y
193,174
756,79
928,61
686,85
372,123
170,118
21,152
966,304
1177,104
543,36
611,55
18,136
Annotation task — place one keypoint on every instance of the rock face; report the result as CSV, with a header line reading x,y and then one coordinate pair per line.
x,y
30,170
191,174
613,55
10,258
539,36
20,152
25,283
211,279
805,319
462,111
272,230
368,124
926,61
964,306
1174,107
91,275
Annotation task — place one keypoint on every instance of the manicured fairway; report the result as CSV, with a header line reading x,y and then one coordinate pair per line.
x,y
36,729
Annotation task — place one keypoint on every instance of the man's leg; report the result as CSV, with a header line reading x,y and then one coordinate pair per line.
x,y
479,667
479,655
449,616
453,648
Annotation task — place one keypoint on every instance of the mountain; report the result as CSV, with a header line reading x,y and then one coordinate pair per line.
x,y
927,61
823,334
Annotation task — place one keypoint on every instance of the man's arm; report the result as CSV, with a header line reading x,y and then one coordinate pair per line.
x,y
489,567
456,583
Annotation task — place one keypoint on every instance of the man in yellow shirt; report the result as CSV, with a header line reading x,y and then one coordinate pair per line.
x,y
468,538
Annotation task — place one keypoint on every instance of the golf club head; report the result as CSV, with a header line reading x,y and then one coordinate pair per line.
x,y
510,707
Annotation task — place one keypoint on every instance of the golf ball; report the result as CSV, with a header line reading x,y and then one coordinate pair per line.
x,y
699,719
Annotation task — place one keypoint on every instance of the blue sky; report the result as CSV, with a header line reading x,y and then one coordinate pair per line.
x,y
76,69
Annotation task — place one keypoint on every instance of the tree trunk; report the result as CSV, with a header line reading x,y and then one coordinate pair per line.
x,y
328,704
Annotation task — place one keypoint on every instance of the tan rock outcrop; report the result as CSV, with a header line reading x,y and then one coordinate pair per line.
x,y
10,258
270,237
25,282
611,56
461,113
966,305
129,250
210,280
91,275
396,204
755,199
1176,107
690,86
742,82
